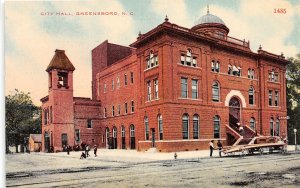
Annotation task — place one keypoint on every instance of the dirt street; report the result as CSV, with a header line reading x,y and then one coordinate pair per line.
x,y
270,170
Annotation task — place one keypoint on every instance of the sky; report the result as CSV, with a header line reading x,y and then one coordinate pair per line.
x,y
33,30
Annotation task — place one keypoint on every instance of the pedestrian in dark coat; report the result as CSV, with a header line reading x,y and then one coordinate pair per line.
x,y
211,147
68,149
83,156
220,147
95,150
87,149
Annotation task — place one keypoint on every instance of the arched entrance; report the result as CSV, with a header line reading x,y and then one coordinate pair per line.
x,y
234,112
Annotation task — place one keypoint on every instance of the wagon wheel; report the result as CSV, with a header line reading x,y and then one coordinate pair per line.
x,y
261,151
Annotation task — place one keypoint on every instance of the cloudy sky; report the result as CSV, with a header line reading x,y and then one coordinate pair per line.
x,y
33,30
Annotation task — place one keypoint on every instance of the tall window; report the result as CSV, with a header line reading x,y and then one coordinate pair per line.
x,y
113,111
185,126
77,135
89,123
216,127
149,90
62,79
123,131
152,60
195,127
252,123
126,108
272,127
251,73
215,66
105,112
276,98
251,96
112,84
184,88
131,130
216,92
194,89
118,82
114,132
125,79
270,98
277,130
146,122
119,109
160,127
131,77
132,106
155,88
104,88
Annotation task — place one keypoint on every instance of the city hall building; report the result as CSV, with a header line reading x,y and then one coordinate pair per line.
x,y
173,89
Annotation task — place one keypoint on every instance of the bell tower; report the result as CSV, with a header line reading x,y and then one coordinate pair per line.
x,y
60,102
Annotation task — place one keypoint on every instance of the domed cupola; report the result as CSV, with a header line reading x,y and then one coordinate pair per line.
x,y
211,24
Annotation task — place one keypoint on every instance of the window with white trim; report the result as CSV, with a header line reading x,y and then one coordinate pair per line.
x,y
149,90
155,81
194,89
152,60
187,59
184,88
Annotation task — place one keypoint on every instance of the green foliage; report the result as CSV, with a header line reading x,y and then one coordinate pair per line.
x,y
22,117
293,98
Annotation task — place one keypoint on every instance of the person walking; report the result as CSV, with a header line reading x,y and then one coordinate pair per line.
x,y
68,149
95,150
87,149
211,147
220,147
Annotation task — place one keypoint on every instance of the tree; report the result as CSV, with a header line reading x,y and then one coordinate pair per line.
x,y
22,117
293,97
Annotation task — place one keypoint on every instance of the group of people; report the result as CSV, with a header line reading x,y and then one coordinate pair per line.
x,y
86,149
212,147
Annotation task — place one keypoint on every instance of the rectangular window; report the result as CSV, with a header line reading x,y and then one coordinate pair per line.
x,y
126,108
182,59
113,111
119,109
270,98
105,113
156,60
62,79
276,98
277,132
271,128
194,62
132,106
125,79
118,82
89,123
149,90
185,129
188,60
184,88
156,88
276,77
104,88
194,89
45,117
77,135
160,128
131,77
195,129
112,84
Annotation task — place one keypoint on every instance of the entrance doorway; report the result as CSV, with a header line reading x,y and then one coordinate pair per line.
x,y
123,137
115,143
153,137
47,142
234,113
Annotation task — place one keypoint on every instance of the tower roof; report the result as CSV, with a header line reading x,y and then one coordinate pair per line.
x,y
209,18
60,61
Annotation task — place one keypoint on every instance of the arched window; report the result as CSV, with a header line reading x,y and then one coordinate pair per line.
x,y
115,132
277,131
216,92
185,126
160,126
107,136
196,127
132,131
272,127
252,123
251,96
122,131
146,122
216,126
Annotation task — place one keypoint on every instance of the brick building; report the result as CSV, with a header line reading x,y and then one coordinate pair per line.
x,y
173,89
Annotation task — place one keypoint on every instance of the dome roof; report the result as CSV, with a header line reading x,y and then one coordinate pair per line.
x,y
209,18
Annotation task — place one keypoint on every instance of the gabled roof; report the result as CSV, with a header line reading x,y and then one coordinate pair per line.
x,y
36,137
60,61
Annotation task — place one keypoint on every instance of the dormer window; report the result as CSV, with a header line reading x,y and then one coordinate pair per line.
x,y
62,79
152,60
187,59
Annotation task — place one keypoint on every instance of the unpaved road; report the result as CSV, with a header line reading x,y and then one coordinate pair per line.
x,y
274,170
